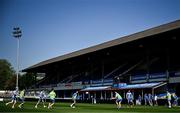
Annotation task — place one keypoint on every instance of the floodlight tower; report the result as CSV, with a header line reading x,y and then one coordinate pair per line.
x,y
17,34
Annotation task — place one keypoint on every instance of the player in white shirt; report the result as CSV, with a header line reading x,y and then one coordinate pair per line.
x,y
129,98
41,97
13,98
74,97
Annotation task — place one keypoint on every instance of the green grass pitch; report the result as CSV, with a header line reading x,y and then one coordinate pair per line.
x,y
86,108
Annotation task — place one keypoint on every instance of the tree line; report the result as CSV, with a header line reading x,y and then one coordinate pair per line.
x,y
8,77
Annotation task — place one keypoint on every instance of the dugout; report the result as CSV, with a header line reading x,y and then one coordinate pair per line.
x,y
107,92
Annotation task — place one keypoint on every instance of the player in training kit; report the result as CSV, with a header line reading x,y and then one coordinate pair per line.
x,y
41,98
175,103
150,98
155,100
129,97
169,99
145,99
139,100
52,96
74,97
21,97
118,100
14,98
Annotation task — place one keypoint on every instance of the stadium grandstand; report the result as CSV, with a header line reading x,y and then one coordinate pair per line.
x,y
145,62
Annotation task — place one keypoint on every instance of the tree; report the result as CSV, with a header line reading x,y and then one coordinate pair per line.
x,y
10,83
6,73
26,80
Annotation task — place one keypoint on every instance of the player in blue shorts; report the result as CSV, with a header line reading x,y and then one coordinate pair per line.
x,y
129,98
169,98
74,97
118,100
41,98
14,98
175,103
21,98
150,98
146,98
52,96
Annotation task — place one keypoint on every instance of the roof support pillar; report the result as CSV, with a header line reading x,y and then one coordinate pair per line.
x,y
111,94
102,71
105,95
148,65
168,64
153,91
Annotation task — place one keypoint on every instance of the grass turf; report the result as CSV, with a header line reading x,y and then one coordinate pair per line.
x,y
86,108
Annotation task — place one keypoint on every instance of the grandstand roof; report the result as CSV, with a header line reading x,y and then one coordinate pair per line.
x,y
130,86
96,88
122,40
142,86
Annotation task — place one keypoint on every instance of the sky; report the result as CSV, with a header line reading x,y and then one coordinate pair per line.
x,y
51,28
